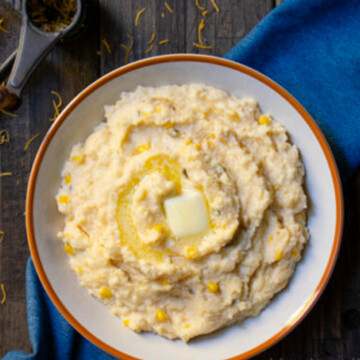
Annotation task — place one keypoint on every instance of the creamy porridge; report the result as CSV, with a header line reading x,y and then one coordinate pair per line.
x,y
185,210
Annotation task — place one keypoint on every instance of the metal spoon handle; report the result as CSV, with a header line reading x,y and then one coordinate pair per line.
x,y
6,66
33,47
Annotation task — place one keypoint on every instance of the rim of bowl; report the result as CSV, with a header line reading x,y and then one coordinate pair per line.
x,y
303,311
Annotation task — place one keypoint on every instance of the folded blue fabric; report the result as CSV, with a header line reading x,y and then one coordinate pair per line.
x,y
51,336
312,49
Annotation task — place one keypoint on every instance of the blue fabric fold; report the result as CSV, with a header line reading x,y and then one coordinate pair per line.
x,y
312,49
51,336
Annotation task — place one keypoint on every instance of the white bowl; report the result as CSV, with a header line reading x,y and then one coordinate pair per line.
x,y
95,321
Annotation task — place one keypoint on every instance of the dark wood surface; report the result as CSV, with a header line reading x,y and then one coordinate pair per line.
x,y
330,331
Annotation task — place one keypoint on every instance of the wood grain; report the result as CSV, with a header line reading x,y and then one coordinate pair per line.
x,y
331,331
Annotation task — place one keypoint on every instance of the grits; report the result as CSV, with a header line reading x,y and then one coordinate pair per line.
x,y
158,143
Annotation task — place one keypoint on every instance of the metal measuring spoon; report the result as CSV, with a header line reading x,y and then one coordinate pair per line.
x,y
34,45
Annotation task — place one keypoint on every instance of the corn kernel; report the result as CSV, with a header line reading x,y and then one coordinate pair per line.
x,y
161,316
213,287
145,114
158,110
295,253
270,239
303,216
197,147
79,159
235,116
140,149
191,252
126,322
105,293
164,283
79,270
69,219
278,255
188,142
187,326
68,179
264,120
67,235
159,228
210,144
64,199
69,249
212,135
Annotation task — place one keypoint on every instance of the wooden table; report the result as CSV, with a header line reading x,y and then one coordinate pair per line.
x,y
331,331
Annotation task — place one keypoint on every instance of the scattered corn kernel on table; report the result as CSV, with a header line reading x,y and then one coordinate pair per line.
x,y
123,31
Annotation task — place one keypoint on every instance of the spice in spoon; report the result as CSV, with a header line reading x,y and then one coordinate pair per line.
x,y
52,15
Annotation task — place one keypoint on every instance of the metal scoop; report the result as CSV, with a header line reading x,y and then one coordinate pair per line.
x,y
34,45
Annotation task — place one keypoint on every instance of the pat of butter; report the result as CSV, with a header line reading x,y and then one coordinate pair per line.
x,y
186,214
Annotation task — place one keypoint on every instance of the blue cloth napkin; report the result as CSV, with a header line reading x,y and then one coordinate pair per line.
x,y
51,336
312,49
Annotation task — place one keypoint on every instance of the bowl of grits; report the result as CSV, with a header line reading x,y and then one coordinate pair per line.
x,y
194,209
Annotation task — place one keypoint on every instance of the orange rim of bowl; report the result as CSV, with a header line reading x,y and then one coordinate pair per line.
x,y
303,311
